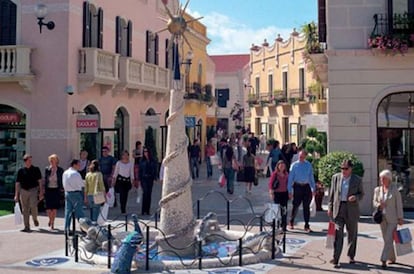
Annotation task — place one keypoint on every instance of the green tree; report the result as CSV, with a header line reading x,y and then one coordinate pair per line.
x,y
331,164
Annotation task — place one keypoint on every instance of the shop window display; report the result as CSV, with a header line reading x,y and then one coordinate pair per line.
x,y
12,147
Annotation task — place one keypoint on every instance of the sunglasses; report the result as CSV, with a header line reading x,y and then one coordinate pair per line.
x,y
344,168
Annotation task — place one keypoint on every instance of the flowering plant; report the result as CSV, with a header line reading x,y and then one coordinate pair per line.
x,y
388,43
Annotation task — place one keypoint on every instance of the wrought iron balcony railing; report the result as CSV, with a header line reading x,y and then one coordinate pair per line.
x,y
400,26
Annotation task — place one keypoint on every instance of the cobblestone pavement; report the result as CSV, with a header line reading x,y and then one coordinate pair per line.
x,y
43,250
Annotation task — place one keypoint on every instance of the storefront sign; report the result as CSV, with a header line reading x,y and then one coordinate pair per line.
x,y
87,123
6,118
318,121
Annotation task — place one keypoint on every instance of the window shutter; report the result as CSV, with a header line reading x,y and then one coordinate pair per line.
x,y
147,47
129,39
156,49
118,37
167,55
100,28
322,20
86,35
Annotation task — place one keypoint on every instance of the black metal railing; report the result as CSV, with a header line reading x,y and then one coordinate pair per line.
x,y
399,26
72,238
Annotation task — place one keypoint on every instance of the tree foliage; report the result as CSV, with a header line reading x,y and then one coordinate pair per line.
x,y
331,164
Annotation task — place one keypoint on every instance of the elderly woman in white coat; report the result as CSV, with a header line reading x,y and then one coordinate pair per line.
x,y
388,199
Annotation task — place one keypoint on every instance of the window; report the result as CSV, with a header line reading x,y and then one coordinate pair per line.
x,y
285,124
92,26
222,95
285,83
123,36
270,84
200,73
152,48
8,13
257,84
322,21
301,83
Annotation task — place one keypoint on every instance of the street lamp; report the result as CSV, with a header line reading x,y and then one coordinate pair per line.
x,y
41,12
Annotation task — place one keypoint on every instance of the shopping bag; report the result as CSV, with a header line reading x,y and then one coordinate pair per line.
x,y
272,211
312,207
103,214
404,235
402,248
138,200
222,180
110,197
330,237
18,220
215,160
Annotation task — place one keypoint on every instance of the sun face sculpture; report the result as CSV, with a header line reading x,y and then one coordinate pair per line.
x,y
176,24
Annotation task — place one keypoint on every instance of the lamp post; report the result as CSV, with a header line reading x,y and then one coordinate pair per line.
x,y
41,12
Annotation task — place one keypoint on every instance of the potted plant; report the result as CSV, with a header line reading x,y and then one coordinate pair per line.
x,y
315,144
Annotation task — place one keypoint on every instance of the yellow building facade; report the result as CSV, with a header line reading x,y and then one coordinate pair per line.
x,y
199,93
284,96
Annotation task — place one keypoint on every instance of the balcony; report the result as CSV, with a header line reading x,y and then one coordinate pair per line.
x,y
392,34
97,67
15,66
138,75
199,93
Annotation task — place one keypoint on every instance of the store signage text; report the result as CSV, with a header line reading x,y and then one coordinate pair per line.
x,y
87,123
6,118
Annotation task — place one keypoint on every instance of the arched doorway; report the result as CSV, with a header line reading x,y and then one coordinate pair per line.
x,y
122,123
152,124
395,141
89,141
12,147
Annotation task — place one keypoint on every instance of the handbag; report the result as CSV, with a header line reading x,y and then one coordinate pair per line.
x,y
330,237
98,197
404,235
377,215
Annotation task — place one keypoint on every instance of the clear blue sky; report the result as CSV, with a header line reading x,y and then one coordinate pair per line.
x,y
233,25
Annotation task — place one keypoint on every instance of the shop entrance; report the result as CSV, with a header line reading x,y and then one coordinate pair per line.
x,y
12,147
396,142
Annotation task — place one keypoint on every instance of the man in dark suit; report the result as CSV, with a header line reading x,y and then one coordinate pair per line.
x,y
345,193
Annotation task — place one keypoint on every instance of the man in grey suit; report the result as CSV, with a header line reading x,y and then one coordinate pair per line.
x,y
345,193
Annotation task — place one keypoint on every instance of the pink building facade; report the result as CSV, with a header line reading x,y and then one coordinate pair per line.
x,y
100,77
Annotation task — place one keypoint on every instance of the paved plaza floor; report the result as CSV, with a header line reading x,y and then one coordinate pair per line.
x,y
42,251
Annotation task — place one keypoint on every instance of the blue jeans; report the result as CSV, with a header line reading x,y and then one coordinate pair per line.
x,y
209,167
74,203
194,164
94,209
229,173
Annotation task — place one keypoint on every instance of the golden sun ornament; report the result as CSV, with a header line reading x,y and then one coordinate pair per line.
x,y
176,24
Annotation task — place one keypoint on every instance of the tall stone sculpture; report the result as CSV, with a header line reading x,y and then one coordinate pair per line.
x,y
176,221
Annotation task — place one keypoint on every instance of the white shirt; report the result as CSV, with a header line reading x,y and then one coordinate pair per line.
x,y
72,180
124,169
